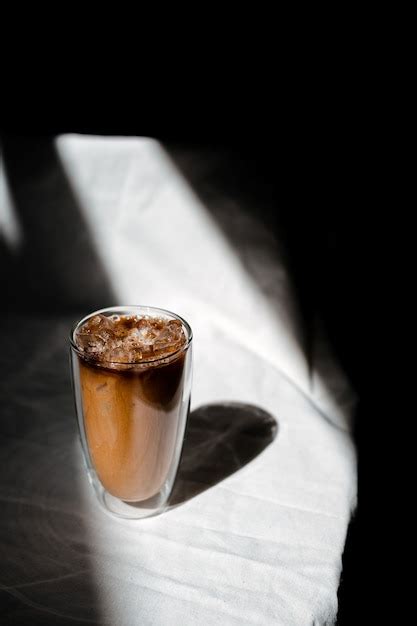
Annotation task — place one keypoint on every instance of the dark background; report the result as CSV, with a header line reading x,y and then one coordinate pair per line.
x,y
325,194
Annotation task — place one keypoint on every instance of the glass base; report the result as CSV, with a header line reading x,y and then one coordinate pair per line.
x,y
128,510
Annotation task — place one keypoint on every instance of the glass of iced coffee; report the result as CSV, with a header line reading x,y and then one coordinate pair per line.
x,y
131,373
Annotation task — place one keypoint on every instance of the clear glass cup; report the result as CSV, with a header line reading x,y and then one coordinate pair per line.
x,y
132,420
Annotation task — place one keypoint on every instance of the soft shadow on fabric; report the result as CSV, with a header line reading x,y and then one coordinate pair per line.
x,y
57,260
253,208
220,439
55,276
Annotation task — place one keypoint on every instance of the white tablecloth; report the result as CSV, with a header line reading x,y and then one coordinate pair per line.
x,y
261,546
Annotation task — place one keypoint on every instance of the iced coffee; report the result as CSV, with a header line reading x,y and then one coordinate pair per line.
x,y
131,373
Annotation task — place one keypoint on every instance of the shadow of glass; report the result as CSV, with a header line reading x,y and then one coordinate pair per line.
x,y
220,439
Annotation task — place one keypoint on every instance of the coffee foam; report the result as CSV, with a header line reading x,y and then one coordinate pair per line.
x,y
129,339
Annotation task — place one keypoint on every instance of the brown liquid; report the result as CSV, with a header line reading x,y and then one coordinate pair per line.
x,y
131,421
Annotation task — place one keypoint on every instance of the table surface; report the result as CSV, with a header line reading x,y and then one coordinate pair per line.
x,y
267,483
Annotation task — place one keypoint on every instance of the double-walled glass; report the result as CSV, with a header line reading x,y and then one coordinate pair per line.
x,y
132,418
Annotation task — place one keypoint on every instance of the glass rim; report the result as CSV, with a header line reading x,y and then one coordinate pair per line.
x,y
166,358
